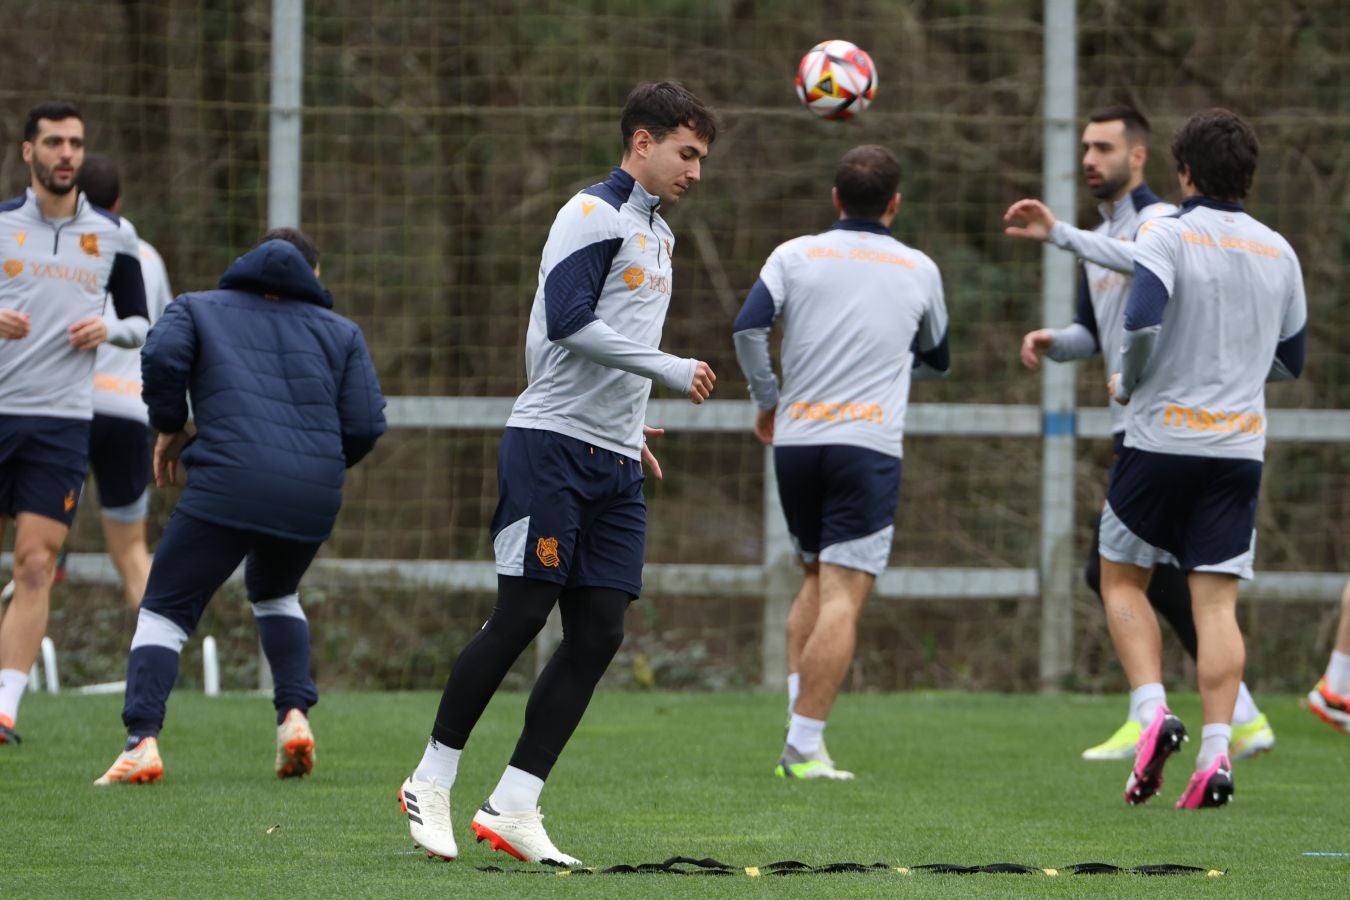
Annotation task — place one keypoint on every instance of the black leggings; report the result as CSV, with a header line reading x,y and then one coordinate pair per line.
x,y
1168,592
592,620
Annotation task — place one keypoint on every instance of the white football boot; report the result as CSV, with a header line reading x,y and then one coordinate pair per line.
x,y
427,806
520,834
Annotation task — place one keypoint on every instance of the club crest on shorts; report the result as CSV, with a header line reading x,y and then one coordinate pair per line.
x,y
547,551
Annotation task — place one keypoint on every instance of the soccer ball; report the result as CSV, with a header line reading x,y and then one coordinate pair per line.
x,y
836,79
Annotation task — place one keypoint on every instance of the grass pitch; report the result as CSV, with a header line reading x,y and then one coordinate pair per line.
x,y
942,778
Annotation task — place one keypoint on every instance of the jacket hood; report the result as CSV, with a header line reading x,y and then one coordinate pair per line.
x,y
275,268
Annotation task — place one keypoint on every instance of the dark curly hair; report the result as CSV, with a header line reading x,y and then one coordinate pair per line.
x,y
661,108
1220,150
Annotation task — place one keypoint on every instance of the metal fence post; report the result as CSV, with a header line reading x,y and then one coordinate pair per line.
x,y
781,580
1057,564
283,158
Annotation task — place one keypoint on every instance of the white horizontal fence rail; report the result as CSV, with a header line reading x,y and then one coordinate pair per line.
x,y
945,419
736,416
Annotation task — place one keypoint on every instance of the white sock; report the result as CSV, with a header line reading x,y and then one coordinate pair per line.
x,y
1145,700
1214,740
794,688
12,683
518,790
1338,674
1245,712
439,762
804,734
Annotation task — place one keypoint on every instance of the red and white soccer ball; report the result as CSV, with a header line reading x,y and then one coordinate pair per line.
x,y
836,79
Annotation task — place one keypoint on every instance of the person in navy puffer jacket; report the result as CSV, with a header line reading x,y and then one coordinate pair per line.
x,y
285,399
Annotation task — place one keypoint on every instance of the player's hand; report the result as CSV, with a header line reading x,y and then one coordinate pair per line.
x,y
764,425
88,333
1029,219
648,458
1113,388
167,449
14,325
704,379
1034,345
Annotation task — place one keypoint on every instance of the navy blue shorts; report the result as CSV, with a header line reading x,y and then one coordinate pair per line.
x,y
119,457
1200,509
839,502
568,512
42,465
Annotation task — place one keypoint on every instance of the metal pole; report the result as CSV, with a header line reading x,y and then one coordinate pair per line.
x,y
1057,563
782,578
288,51
283,157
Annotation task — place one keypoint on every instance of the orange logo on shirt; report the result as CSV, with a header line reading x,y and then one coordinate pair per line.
x,y
20,237
125,387
69,502
836,412
13,267
89,244
586,207
547,551
1208,420
633,277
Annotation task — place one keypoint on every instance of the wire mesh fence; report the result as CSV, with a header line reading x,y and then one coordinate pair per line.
x,y
440,138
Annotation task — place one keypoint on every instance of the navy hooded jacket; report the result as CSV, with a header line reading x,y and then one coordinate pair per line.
x,y
283,390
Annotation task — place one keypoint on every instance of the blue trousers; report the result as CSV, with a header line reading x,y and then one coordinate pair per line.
x,y
193,559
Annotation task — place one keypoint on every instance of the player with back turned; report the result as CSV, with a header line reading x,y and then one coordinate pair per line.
x,y
862,315
1216,308
1115,150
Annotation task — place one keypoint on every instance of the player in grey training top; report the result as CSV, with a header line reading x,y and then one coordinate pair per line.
x,y
60,259
1216,309
862,314
571,521
1115,150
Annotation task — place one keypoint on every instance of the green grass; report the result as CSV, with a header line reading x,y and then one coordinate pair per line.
x,y
957,778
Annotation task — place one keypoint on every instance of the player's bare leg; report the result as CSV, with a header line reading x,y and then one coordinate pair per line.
x,y
126,546
824,661
802,616
1222,654
37,541
1218,667
1132,622
1138,642
800,620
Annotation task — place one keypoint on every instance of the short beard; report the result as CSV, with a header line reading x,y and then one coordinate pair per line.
x,y
48,181
1109,187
